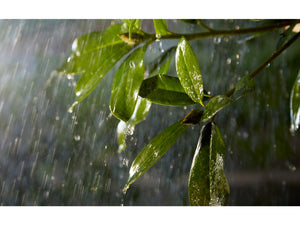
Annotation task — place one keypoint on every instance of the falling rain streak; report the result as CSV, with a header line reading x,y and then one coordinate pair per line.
x,y
51,157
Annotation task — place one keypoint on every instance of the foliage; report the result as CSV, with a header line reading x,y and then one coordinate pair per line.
x,y
132,94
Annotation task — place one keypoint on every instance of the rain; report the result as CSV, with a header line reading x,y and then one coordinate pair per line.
x,y
51,155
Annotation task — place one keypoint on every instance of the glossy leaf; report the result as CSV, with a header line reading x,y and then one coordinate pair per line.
x,y
93,55
162,63
213,106
207,182
295,105
123,129
141,110
85,50
160,26
165,90
245,85
156,148
126,85
188,71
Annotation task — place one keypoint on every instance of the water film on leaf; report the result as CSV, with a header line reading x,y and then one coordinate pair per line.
x,y
208,185
126,85
141,110
215,104
156,148
92,56
188,71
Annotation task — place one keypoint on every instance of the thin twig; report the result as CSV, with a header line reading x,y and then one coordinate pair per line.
x,y
274,55
222,33
270,59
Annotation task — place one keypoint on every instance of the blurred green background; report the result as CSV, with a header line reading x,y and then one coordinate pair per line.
x,y
51,157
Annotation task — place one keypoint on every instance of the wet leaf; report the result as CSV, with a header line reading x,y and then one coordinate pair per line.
x,y
207,182
93,55
194,117
162,63
213,106
122,129
165,90
188,71
160,27
126,85
85,50
156,148
244,86
141,110
295,105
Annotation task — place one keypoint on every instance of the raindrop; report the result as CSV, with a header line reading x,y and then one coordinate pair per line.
x,y
131,64
158,36
78,93
228,61
130,130
77,137
291,166
269,64
155,154
217,40
160,47
57,118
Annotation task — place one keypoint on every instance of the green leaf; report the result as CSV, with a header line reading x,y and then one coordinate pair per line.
x,y
93,55
165,90
123,129
126,85
85,50
214,105
244,86
141,110
160,27
162,63
295,105
156,148
188,71
207,182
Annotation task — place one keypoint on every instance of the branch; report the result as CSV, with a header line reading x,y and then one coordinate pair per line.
x,y
274,55
222,33
270,59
